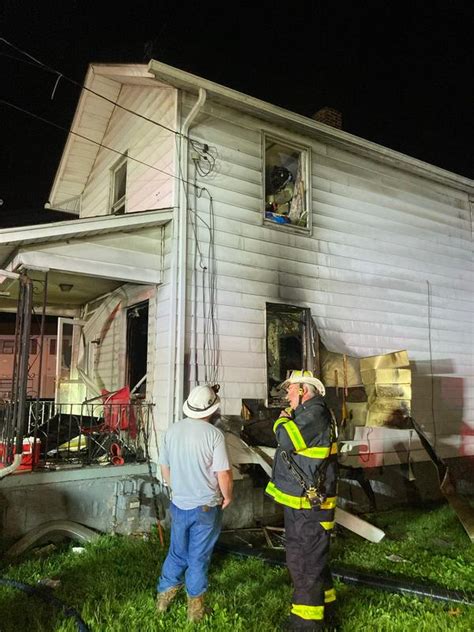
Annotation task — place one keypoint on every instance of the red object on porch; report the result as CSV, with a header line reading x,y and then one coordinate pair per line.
x,y
29,457
118,412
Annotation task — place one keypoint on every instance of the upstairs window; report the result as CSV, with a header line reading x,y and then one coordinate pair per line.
x,y
286,184
118,187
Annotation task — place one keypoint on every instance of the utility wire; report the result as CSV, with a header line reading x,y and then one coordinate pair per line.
x,y
69,131
60,75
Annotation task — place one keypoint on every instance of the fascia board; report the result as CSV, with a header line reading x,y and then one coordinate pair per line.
x,y
227,96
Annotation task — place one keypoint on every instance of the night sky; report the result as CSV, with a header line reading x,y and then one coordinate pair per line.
x,y
401,73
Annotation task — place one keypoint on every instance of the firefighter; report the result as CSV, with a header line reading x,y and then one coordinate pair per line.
x,y
304,479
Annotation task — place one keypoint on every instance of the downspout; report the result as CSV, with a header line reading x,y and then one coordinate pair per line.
x,y
177,350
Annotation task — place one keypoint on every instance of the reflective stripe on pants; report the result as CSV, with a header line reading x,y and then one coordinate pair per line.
x,y
307,557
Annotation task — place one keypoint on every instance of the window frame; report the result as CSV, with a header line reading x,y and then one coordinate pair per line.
x,y
309,345
116,205
305,150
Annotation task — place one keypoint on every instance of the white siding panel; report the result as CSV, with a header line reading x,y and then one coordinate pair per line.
x,y
388,266
150,167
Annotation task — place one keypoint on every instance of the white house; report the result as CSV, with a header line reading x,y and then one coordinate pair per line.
x,y
217,215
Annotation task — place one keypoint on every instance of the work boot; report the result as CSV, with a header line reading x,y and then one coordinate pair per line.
x,y
163,599
196,609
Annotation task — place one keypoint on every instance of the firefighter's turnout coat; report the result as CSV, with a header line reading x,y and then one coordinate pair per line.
x,y
309,438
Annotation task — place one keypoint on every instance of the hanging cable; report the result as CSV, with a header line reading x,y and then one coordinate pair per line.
x,y
90,140
212,358
37,63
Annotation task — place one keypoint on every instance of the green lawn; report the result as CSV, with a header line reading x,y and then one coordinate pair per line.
x,y
112,583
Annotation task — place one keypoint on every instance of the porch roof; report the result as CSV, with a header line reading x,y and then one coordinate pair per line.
x,y
110,250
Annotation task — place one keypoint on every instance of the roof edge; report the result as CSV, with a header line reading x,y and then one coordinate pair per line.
x,y
192,83
78,227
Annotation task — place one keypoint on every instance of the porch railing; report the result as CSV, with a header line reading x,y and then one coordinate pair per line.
x,y
60,436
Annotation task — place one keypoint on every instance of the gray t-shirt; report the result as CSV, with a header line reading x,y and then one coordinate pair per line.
x,y
194,450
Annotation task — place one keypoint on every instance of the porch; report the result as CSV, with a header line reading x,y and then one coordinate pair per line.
x,y
96,414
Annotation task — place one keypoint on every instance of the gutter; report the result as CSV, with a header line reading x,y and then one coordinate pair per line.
x,y
178,295
305,125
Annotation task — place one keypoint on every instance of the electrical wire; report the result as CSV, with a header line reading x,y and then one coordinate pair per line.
x,y
37,63
211,354
206,158
94,142
210,323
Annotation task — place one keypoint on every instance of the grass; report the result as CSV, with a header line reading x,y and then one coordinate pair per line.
x,y
112,584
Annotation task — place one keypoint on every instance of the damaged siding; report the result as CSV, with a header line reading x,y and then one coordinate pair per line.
x,y
149,185
388,266
107,323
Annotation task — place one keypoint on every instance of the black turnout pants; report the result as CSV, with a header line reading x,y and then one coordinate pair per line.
x,y
307,557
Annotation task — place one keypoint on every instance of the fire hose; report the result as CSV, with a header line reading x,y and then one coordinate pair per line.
x,y
46,597
367,580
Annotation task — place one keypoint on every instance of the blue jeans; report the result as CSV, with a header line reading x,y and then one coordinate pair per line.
x,y
194,533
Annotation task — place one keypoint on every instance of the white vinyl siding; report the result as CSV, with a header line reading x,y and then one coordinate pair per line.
x,y
381,238
149,148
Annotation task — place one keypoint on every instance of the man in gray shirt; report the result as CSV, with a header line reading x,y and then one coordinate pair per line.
x,y
195,465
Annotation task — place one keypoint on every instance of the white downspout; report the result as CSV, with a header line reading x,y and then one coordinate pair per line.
x,y
11,468
179,321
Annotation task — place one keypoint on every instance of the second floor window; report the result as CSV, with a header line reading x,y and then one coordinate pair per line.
x,y
286,184
118,187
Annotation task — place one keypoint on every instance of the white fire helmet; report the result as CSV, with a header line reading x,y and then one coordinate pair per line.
x,y
202,402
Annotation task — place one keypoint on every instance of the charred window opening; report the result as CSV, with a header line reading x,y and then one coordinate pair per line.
x,y
291,344
137,346
286,184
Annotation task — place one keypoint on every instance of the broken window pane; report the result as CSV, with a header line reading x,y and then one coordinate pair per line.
x,y
286,171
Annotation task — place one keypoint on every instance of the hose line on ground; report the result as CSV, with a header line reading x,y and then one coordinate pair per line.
x,y
45,596
367,580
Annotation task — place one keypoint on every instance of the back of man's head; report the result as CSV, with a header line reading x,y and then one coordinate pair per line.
x,y
202,402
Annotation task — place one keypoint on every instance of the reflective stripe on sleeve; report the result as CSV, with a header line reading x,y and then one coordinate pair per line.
x,y
309,613
295,435
280,420
319,452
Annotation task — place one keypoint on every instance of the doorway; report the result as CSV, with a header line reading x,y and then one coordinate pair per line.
x,y
137,346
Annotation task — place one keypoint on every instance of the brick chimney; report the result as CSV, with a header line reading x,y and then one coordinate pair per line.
x,y
329,116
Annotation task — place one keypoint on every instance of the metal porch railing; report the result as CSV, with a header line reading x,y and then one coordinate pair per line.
x,y
60,436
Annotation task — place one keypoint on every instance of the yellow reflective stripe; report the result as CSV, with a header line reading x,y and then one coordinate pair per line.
x,y
310,613
329,503
280,420
297,502
329,595
327,525
295,435
319,452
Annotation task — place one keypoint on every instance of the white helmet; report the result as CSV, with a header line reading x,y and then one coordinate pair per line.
x,y
202,402
304,377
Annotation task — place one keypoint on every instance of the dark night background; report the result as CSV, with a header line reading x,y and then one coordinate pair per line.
x,y
401,73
